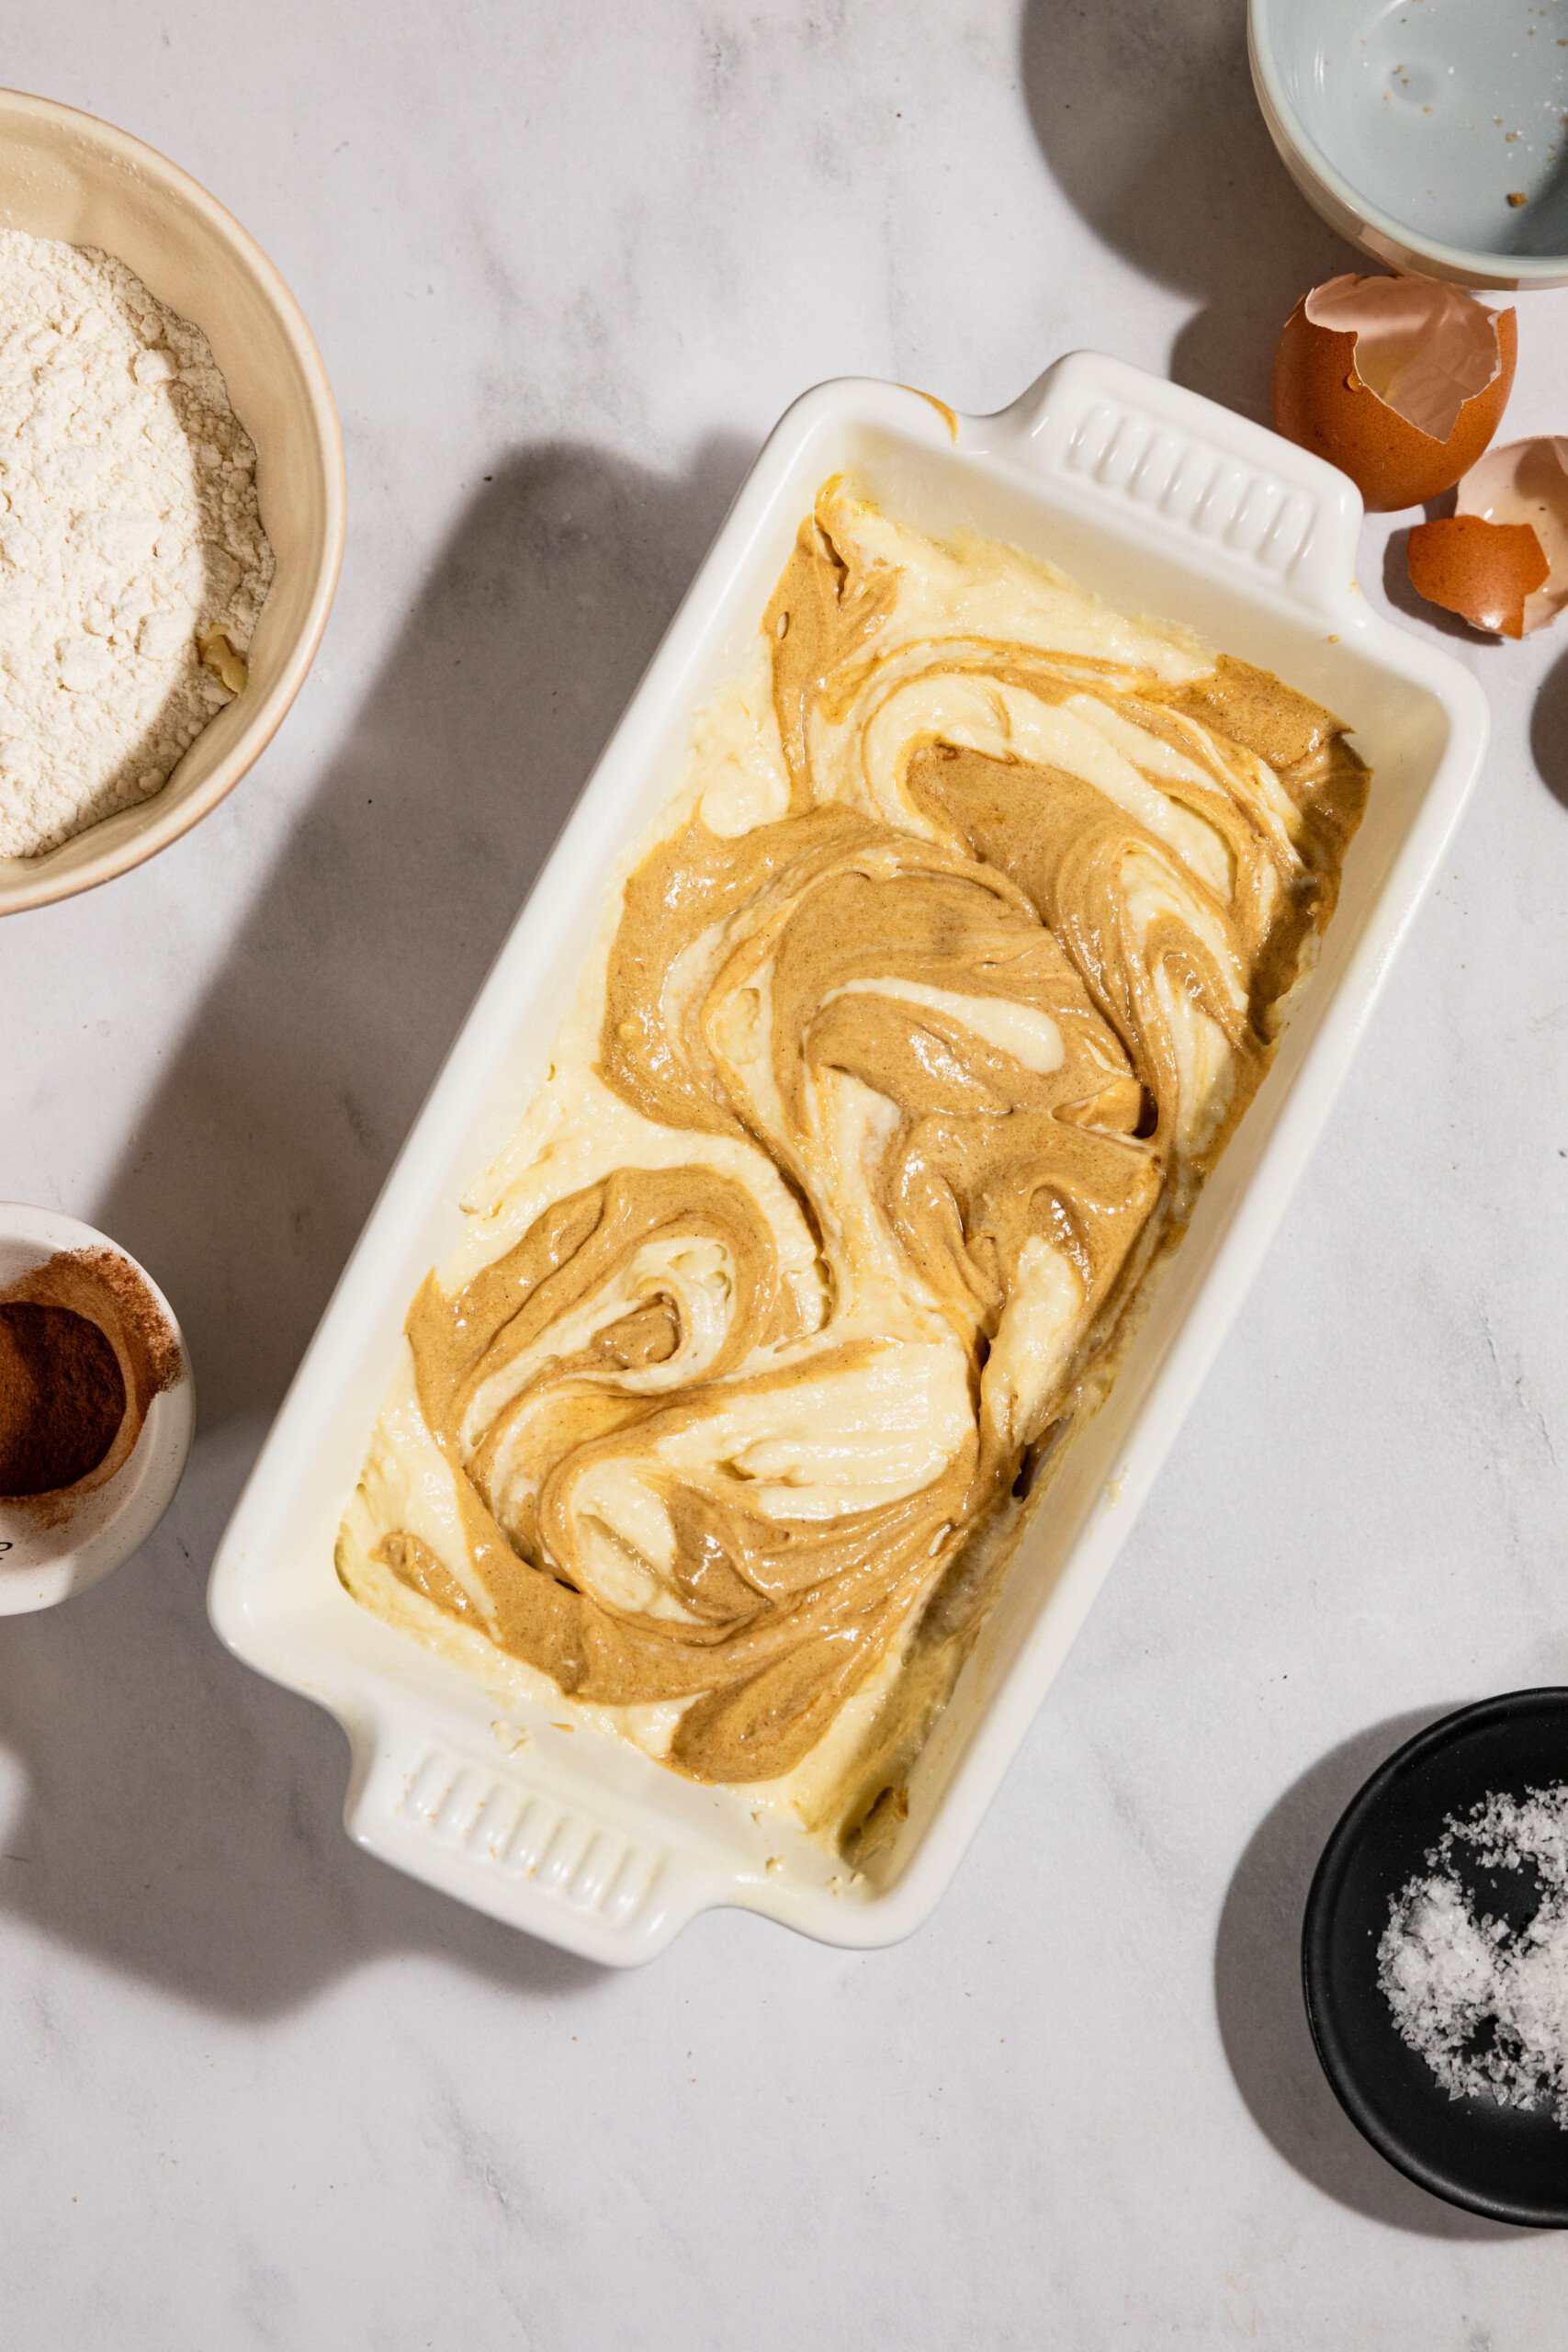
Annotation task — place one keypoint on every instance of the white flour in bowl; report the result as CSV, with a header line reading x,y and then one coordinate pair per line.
x,y
133,564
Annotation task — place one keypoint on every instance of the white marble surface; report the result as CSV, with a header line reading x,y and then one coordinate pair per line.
x,y
567,263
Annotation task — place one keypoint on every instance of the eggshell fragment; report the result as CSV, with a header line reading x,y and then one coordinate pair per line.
x,y
1483,572
1526,481
1423,344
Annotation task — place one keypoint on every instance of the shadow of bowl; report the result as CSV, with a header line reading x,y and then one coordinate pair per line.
x,y
1146,119
1549,730
1262,2014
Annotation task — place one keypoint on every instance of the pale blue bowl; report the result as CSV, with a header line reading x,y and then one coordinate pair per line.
x,y
1409,123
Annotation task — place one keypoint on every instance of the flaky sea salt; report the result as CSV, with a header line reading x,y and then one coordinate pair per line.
x,y
1485,2002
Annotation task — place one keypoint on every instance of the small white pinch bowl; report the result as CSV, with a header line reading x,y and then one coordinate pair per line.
x,y
67,175
46,1556
1408,127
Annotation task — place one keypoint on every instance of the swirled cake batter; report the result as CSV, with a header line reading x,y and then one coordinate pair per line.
x,y
910,1038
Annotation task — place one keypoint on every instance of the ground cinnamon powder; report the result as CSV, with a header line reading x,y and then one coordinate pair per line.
x,y
61,1398
85,1347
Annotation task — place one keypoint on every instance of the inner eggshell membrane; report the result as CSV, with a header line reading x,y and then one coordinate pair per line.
x,y
1424,349
1526,481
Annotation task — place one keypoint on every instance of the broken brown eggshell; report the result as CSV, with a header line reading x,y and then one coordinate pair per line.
x,y
1485,571
1526,481
1398,381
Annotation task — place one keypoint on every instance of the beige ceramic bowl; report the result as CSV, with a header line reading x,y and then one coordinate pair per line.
x,y
66,174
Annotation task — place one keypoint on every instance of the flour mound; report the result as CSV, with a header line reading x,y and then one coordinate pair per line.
x,y
129,531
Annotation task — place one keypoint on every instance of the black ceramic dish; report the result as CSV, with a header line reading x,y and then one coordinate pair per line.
x,y
1508,2162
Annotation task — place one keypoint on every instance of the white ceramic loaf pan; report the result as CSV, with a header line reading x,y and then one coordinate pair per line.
x,y
1162,503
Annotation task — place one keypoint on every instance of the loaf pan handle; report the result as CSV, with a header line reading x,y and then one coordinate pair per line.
x,y
534,1859
1159,462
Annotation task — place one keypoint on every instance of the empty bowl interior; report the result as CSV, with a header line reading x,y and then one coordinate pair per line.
x,y
1436,112
66,175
